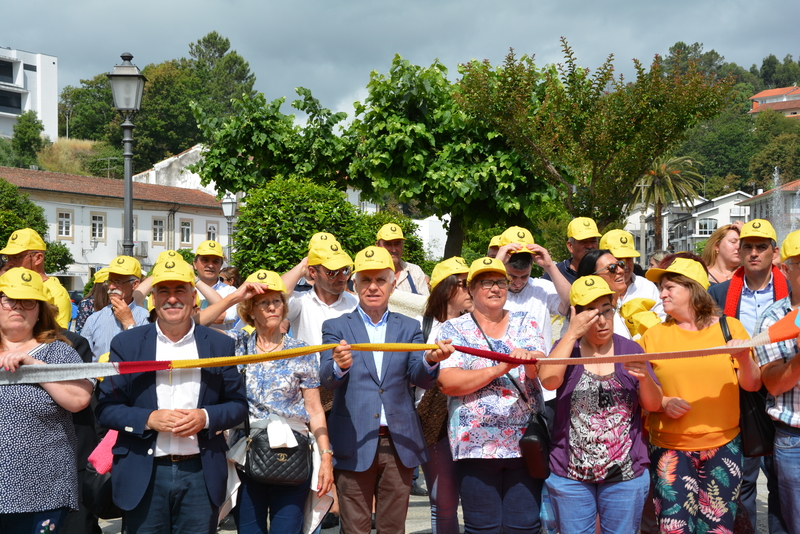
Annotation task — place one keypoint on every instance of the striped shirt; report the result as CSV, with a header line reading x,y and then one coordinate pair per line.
x,y
786,406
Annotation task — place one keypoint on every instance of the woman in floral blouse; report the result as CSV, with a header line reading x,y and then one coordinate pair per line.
x,y
287,388
490,404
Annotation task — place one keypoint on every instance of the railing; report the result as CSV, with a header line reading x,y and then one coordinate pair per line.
x,y
139,249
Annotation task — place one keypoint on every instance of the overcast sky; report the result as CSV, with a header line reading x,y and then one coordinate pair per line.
x,y
332,46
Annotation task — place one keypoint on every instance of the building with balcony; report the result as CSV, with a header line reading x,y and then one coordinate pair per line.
x,y
28,81
86,214
780,206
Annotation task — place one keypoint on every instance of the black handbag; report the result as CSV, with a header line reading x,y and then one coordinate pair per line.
x,y
534,445
96,494
282,466
757,428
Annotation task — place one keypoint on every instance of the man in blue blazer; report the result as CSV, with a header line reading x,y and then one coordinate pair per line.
x,y
170,469
374,430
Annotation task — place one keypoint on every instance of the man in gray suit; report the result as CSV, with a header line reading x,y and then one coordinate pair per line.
x,y
375,432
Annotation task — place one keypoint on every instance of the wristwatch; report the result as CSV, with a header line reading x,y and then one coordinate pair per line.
x,y
130,326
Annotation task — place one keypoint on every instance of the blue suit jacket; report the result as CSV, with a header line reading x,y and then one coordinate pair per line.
x,y
355,416
126,401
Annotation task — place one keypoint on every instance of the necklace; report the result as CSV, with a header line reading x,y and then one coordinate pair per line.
x,y
273,349
16,346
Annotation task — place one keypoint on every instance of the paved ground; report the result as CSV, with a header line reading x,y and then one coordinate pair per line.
x,y
419,518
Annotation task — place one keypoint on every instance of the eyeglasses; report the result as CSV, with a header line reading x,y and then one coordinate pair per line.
x,y
333,274
10,304
121,282
607,314
611,268
265,304
17,257
462,284
488,284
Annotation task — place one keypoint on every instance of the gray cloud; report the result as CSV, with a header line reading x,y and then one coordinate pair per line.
x,y
331,47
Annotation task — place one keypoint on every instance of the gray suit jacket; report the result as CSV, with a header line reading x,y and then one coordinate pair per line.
x,y
355,416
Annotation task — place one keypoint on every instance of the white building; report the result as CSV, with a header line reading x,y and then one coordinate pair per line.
x,y
86,214
28,81
683,229
780,206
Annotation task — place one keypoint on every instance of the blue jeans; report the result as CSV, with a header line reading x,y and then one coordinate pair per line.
x,y
787,468
498,495
577,504
283,504
33,522
176,500
440,478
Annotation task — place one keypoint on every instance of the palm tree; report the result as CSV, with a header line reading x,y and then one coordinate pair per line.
x,y
669,179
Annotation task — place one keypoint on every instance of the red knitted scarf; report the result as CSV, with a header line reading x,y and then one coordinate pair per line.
x,y
779,286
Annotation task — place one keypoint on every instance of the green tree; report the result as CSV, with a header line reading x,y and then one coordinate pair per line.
x,y
769,70
257,142
274,227
27,140
90,108
18,211
682,55
591,136
669,179
783,152
222,72
7,156
413,140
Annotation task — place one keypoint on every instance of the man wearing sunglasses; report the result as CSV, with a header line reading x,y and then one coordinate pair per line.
x,y
328,267
122,313
26,248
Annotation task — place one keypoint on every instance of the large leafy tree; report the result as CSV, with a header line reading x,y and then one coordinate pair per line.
x,y
669,179
89,107
591,135
223,73
258,142
413,140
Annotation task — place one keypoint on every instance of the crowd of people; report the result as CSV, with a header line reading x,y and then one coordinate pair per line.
x,y
635,444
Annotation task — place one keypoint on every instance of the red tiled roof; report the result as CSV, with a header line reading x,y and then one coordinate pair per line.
x,y
788,187
776,92
105,187
778,106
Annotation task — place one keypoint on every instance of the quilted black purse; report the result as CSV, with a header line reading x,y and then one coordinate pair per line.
x,y
283,466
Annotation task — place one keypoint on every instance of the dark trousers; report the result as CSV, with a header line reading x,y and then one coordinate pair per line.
x,y
748,493
388,480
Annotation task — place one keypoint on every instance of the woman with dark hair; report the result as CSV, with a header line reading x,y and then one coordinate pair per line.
x,y
449,299
695,455
600,262
231,276
39,475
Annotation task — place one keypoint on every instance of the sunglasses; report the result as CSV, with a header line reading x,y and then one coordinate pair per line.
x,y
333,274
612,268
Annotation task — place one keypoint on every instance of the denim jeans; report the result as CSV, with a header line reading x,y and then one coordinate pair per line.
x,y
440,478
577,504
283,504
176,500
498,495
787,468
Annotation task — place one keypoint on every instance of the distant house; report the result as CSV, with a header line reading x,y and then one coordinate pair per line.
x,y
28,81
86,214
785,100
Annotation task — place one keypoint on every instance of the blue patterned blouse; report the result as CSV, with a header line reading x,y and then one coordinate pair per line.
x,y
276,387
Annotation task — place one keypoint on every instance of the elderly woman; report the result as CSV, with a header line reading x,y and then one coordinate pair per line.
x,y
721,253
287,388
696,457
490,404
598,457
600,262
39,476
448,299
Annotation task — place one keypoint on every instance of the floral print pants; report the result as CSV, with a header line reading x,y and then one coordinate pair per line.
x,y
696,491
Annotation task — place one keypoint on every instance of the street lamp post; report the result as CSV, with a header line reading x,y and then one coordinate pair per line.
x,y
642,230
127,86
229,211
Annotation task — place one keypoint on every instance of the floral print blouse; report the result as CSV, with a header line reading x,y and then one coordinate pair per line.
x,y
489,422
